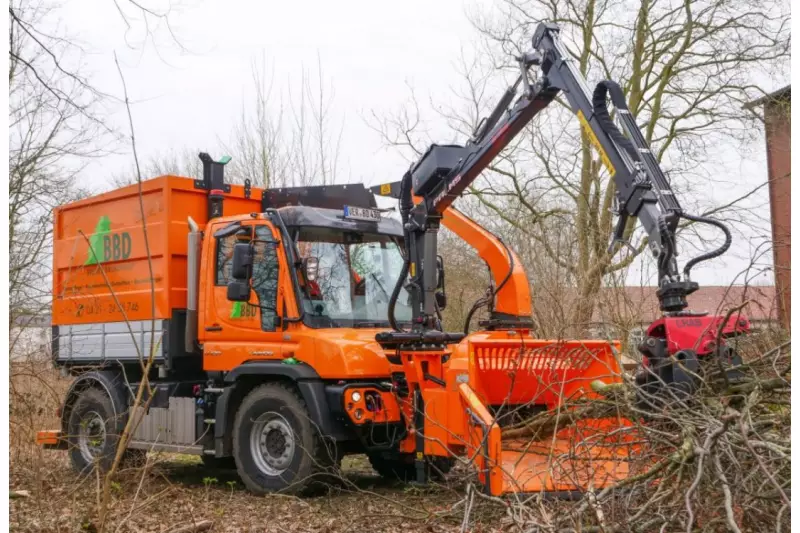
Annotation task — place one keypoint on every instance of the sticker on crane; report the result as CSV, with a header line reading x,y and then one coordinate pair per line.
x,y
596,143
386,189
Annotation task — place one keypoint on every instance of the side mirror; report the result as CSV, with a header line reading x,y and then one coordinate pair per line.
x,y
242,261
311,268
239,291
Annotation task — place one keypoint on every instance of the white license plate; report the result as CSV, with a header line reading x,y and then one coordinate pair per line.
x,y
362,213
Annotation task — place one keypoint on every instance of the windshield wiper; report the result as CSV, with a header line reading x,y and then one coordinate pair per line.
x,y
373,324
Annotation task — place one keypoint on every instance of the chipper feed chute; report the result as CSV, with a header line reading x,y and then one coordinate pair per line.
x,y
530,405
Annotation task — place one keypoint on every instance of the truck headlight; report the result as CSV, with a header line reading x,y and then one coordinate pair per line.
x,y
356,396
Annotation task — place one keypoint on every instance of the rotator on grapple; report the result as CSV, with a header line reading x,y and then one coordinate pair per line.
x,y
675,343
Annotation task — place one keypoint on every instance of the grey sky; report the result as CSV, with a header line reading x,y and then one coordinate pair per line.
x,y
369,52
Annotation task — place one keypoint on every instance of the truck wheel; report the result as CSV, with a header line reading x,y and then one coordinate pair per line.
x,y
93,432
275,445
400,467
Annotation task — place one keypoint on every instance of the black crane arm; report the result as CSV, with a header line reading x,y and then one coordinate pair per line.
x,y
444,172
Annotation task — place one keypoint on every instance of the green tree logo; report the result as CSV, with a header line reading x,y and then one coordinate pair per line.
x,y
243,310
95,253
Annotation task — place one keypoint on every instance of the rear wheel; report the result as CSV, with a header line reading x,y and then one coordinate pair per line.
x,y
275,445
94,431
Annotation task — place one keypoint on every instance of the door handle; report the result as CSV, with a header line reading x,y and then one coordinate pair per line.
x,y
214,327
262,352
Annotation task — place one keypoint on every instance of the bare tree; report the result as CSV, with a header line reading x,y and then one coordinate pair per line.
x,y
179,162
278,145
256,145
53,129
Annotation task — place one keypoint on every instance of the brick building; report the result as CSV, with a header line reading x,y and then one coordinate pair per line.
x,y
777,126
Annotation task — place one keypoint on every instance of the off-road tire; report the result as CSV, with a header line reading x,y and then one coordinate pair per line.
x,y
310,463
400,466
94,409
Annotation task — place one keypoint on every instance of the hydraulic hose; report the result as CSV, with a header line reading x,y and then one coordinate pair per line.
x,y
486,300
406,204
714,253
612,89
668,251
477,305
510,267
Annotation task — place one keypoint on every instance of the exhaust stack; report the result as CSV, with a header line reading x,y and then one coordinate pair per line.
x,y
192,284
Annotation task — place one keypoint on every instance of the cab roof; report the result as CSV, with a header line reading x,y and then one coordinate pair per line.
x,y
305,216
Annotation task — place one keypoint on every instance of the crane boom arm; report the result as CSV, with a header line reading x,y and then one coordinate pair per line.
x,y
445,172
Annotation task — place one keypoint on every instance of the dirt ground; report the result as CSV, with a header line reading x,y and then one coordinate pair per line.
x,y
176,490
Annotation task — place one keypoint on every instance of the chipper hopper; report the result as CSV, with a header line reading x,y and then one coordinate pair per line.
x,y
476,399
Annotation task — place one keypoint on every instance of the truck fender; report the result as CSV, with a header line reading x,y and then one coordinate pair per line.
x,y
297,372
308,382
110,382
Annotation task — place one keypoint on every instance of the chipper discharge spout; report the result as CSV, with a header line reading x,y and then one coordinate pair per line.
x,y
524,411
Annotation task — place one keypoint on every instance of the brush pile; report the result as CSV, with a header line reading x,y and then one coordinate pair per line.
x,y
716,461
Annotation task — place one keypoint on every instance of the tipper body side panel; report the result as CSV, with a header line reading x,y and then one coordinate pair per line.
x,y
101,270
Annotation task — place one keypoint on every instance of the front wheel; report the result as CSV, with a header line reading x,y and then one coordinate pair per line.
x,y
275,445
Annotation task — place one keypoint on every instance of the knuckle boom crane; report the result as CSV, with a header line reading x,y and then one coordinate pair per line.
x,y
675,344
643,192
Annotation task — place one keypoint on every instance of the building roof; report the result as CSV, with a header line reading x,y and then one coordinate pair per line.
x,y
784,93
640,305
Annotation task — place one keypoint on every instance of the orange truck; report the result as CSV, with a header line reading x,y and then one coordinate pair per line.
x,y
260,310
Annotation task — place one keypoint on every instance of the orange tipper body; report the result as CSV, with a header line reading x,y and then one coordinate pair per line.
x,y
100,247
254,302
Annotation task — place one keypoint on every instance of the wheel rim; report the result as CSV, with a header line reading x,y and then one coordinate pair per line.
x,y
91,436
272,443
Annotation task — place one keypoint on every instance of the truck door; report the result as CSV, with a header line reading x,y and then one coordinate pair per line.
x,y
235,332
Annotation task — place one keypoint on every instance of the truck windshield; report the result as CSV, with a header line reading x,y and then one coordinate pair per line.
x,y
355,278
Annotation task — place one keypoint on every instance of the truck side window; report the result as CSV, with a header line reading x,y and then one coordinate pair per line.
x,y
224,259
265,272
265,277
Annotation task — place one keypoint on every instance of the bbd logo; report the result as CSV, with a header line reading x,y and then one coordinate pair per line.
x,y
107,246
243,310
